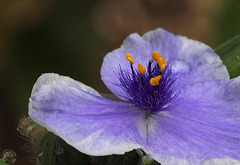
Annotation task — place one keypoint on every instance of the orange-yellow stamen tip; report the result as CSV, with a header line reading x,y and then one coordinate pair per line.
x,y
129,58
161,63
156,55
155,81
141,69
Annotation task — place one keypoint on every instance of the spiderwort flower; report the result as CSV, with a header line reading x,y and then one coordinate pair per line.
x,y
178,103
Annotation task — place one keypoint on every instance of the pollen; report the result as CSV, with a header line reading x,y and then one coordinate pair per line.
x,y
141,69
129,58
161,63
156,55
155,81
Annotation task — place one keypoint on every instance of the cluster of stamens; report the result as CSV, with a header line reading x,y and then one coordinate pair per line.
x,y
150,88
154,81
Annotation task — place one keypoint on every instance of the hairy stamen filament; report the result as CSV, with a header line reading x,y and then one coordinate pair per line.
x,y
149,67
149,88
130,59
133,73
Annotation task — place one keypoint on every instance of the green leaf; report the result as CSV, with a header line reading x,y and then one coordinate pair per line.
x,y
229,52
2,162
53,150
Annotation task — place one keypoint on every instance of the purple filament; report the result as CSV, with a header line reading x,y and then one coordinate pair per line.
x,y
140,92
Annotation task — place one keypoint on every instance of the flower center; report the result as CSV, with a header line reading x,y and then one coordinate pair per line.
x,y
150,89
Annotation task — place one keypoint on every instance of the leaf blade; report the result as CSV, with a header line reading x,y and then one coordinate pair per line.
x,y
229,52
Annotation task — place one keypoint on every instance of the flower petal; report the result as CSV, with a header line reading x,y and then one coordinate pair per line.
x,y
192,60
52,78
203,123
79,115
135,46
221,161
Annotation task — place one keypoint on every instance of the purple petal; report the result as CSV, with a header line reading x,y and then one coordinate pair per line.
x,y
192,60
133,45
85,120
221,161
203,123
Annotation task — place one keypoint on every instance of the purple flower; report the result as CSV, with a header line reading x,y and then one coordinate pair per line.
x,y
181,108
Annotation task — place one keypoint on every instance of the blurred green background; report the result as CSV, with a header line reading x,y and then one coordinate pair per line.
x,y
71,38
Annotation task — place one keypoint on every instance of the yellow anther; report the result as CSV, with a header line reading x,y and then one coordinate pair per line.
x,y
156,55
161,63
155,81
141,69
129,58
